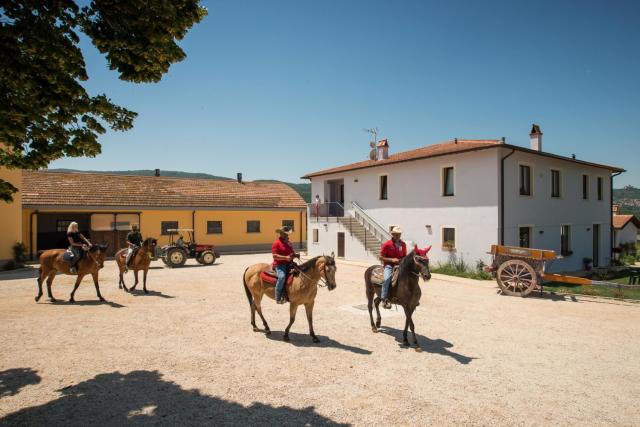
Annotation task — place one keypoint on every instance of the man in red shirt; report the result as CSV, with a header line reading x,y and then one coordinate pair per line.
x,y
391,253
283,255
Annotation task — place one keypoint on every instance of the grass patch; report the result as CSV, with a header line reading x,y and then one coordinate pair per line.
x,y
597,290
459,268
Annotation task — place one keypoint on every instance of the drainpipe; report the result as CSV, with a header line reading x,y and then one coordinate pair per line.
x,y
611,230
502,195
193,224
31,233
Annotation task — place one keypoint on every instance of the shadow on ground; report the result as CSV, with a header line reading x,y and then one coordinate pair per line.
x,y
81,303
29,272
304,340
150,293
428,345
143,397
12,380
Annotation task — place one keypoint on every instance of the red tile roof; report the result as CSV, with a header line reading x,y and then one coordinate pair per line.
x,y
620,221
448,147
59,189
445,148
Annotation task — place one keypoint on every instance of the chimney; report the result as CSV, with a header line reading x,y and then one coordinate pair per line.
x,y
239,177
383,149
535,138
157,172
615,209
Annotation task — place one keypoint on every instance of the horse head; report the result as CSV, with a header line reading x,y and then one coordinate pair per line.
x,y
150,243
98,253
329,271
421,259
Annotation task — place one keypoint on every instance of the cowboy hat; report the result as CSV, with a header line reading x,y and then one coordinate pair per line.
x,y
285,230
396,230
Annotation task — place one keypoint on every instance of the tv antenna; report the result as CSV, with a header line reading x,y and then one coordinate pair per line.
x,y
373,155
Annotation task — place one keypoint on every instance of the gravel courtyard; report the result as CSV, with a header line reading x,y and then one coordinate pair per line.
x,y
185,354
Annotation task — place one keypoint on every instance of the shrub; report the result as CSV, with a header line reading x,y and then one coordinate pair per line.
x,y
458,267
628,259
19,254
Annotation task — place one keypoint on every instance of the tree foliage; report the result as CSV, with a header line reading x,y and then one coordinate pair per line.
x,y
45,112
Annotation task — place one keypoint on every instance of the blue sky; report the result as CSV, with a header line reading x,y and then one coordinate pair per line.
x,y
280,88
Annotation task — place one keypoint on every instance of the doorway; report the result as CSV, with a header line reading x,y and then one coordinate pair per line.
x,y
340,244
596,245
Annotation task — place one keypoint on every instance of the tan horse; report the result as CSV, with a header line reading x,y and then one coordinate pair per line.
x,y
52,262
140,261
302,291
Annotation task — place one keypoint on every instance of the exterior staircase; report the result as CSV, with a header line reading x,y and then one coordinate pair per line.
x,y
364,228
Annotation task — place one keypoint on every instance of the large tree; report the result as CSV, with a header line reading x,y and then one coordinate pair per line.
x,y
45,112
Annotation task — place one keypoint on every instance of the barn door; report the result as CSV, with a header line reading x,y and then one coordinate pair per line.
x,y
340,244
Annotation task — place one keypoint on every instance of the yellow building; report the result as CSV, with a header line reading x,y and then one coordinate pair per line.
x,y
10,216
235,216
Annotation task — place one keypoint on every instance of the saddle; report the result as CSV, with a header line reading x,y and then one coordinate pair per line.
x,y
67,256
377,276
270,277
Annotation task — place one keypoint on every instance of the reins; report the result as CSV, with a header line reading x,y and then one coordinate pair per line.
x,y
322,282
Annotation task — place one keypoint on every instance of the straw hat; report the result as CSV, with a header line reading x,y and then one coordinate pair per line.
x,y
285,230
396,230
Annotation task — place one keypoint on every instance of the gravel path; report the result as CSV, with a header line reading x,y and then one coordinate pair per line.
x,y
186,354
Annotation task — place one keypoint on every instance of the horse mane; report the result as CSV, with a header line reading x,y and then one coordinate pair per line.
x,y
405,266
148,241
306,266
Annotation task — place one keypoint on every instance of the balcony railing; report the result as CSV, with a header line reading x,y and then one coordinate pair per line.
x,y
325,211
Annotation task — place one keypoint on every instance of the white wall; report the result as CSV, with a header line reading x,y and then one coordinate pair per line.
x,y
628,234
545,214
328,242
415,200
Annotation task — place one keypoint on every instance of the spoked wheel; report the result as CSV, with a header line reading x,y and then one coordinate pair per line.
x,y
516,278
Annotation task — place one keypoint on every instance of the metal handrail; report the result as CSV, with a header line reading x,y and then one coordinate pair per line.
x,y
326,210
369,223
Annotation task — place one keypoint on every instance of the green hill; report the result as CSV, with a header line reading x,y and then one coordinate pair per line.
x,y
303,189
628,198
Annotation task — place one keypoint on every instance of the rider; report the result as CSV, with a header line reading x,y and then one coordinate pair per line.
x,y
391,253
283,255
134,241
77,244
180,242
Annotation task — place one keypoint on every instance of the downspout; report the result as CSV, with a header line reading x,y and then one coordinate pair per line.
x,y
611,230
31,233
502,195
193,224
301,225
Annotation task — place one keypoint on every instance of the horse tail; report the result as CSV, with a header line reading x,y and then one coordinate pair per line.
x,y
246,288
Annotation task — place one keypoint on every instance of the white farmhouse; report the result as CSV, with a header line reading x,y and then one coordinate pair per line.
x,y
461,196
625,228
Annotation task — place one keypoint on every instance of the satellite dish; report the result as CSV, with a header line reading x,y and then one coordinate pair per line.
x,y
372,155
372,144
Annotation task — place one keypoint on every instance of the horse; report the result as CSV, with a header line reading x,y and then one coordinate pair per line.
x,y
301,289
139,261
52,262
406,292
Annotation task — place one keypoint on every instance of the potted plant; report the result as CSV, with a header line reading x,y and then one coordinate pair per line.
x,y
587,263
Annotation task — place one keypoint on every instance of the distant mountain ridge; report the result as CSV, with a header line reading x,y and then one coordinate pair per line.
x,y
303,189
628,198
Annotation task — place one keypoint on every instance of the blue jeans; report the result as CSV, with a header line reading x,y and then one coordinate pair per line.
x,y
282,270
386,285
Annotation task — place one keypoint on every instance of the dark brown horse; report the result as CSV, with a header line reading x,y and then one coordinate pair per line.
x,y
406,292
52,262
301,291
140,261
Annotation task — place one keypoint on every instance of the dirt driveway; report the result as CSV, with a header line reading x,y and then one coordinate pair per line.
x,y
186,354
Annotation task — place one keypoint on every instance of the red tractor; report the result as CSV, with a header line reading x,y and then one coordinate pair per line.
x,y
176,253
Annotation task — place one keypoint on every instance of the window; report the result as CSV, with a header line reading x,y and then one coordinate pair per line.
x,y
525,180
448,238
253,226
165,226
288,223
316,236
555,183
214,227
585,187
384,183
599,188
525,237
62,224
447,181
565,240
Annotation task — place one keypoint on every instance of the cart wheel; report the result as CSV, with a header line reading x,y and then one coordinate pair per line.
x,y
516,278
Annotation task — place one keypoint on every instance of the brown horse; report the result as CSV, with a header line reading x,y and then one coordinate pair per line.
x,y
406,292
52,262
140,261
301,291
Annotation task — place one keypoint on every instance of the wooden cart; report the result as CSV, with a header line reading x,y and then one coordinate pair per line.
x,y
520,271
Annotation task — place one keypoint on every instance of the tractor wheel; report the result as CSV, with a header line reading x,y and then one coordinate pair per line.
x,y
207,258
176,258
164,259
516,278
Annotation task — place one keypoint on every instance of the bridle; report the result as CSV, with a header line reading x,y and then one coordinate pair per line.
x,y
322,282
420,261
93,258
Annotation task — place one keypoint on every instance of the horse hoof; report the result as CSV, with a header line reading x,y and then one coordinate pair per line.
x,y
315,340
405,343
374,330
37,298
286,338
146,291
256,329
418,349
267,332
52,300
102,299
72,301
